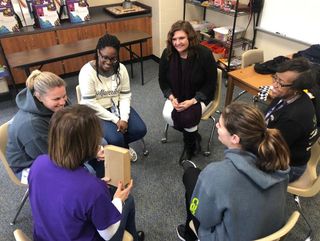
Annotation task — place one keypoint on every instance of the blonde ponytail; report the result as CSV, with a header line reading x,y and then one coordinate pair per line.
x,y
32,79
41,82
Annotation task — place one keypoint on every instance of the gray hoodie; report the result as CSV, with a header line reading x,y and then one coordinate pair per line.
x,y
28,133
234,200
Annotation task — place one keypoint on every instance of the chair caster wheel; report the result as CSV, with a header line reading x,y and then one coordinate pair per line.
x,y
164,140
206,153
146,153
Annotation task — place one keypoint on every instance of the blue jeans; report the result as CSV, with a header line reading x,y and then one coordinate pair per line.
x,y
136,131
127,219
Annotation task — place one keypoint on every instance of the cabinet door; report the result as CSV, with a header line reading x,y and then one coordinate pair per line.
x,y
75,34
28,42
142,24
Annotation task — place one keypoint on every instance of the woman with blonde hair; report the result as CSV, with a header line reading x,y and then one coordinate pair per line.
x,y
242,197
45,93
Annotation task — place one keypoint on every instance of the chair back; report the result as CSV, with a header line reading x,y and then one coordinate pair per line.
x,y
284,230
3,146
78,92
308,185
213,106
19,235
251,56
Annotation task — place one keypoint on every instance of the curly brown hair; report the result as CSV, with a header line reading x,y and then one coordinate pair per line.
x,y
186,27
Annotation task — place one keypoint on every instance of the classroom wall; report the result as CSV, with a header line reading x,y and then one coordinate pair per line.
x,y
274,46
166,12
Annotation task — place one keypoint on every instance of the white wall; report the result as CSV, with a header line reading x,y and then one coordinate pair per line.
x,y
272,45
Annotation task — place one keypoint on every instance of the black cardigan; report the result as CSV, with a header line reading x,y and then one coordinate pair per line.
x,y
204,75
298,125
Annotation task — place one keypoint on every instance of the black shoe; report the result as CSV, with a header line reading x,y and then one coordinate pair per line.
x,y
181,232
140,235
186,155
187,164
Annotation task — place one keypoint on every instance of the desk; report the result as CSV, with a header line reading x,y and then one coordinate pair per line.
x,y
246,79
34,57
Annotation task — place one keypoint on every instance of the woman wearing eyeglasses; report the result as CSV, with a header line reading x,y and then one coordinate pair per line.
x,y
292,111
105,87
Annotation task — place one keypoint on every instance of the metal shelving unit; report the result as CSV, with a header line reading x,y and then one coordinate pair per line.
x,y
233,13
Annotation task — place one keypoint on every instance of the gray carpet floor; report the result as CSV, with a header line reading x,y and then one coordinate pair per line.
x,y
158,189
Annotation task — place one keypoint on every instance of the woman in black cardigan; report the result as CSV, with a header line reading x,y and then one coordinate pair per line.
x,y
187,78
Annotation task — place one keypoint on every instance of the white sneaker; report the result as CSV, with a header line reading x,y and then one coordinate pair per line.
x,y
133,155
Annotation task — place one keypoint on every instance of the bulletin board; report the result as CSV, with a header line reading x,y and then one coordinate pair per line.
x,y
293,19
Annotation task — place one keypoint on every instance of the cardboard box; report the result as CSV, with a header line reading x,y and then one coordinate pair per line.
x,y
117,164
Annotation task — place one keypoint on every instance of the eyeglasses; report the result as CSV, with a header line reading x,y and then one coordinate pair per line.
x,y
107,58
277,80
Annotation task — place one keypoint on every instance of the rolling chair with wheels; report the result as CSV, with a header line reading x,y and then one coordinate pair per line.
x,y
308,185
3,146
144,151
250,57
208,114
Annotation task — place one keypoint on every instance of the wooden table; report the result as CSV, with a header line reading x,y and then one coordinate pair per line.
x,y
246,79
34,57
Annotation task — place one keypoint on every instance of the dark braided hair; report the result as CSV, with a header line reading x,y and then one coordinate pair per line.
x,y
108,40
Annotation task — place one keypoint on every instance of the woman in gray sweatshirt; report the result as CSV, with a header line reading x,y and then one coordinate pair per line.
x,y
243,197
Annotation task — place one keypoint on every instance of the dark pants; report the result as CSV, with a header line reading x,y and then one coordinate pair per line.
x,y
98,167
296,172
189,179
127,220
136,131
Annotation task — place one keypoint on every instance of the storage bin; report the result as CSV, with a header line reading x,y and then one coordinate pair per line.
x,y
201,25
222,33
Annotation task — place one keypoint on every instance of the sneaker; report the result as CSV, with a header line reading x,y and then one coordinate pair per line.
x,y
181,232
133,155
187,164
183,235
140,236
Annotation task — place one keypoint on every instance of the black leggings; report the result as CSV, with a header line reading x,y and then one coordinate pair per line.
x,y
189,179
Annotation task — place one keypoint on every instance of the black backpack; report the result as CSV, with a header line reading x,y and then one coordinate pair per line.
x,y
270,66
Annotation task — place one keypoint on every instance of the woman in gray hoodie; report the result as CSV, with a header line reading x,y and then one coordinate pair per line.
x,y
243,197
45,93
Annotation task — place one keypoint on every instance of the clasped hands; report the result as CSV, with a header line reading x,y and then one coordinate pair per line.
x,y
122,126
182,105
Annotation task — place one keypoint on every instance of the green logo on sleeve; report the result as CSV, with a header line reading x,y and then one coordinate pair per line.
x,y
194,205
